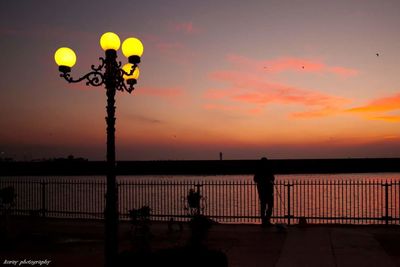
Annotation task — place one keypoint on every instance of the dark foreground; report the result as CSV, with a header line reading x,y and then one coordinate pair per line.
x,y
79,243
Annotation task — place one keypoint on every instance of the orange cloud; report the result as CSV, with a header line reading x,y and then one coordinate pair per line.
x,y
323,112
253,90
290,64
163,92
387,118
381,104
224,107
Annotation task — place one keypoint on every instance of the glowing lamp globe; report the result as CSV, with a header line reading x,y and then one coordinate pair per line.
x,y
132,48
134,76
65,58
110,41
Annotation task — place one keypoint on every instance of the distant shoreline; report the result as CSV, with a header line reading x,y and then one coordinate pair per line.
x,y
201,167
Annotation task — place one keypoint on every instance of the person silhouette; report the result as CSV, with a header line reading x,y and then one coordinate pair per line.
x,y
264,179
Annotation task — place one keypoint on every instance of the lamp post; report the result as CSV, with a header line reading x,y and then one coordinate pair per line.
x,y
110,74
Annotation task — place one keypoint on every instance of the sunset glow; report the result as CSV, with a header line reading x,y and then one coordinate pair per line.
x,y
318,80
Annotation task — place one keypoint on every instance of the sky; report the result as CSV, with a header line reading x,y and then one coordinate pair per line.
x,y
282,79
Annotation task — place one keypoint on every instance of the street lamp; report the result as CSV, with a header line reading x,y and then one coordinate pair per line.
x,y
110,74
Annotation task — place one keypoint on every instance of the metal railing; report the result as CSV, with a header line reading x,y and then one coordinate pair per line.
x,y
317,201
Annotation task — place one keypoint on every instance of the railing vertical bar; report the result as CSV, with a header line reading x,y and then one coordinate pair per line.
x,y
99,198
343,201
88,187
169,185
244,203
254,200
80,202
382,210
313,200
172,186
222,197
94,199
305,205
237,199
365,202
163,199
319,192
332,198
32,193
296,200
377,197
214,198
66,195
227,199
139,197
234,201
358,202
370,200
249,190
181,189
350,201
353,187
322,196
374,202
334,205
397,200
361,205
121,198
386,203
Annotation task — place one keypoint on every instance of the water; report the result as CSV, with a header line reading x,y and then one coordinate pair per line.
x,y
322,198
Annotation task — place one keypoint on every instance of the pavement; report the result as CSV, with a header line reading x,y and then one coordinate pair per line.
x,y
80,243
333,246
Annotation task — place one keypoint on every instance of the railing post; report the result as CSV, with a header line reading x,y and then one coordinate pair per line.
x,y
43,185
386,217
288,202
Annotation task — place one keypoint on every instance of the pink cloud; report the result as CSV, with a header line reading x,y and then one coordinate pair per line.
x,y
284,64
344,72
250,89
185,27
175,51
166,47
